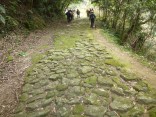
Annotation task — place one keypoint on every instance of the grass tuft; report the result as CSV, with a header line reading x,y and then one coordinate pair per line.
x,y
36,58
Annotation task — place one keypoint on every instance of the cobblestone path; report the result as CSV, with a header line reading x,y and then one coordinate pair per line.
x,y
84,81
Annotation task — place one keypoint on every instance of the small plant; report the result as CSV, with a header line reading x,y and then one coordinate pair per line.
x,y
9,58
22,54
11,23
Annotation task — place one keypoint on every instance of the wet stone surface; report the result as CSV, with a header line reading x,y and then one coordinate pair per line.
x,y
80,82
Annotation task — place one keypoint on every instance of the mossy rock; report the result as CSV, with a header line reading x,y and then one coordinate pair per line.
x,y
78,109
27,88
20,108
105,81
141,86
129,77
95,111
114,63
136,111
120,83
101,92
42,113
36,58
146,98
118,91
121,104
92,99
61,87
92,80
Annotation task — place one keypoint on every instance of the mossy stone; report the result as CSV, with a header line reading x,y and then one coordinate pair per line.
x,y
92,80
86,69
27,87
34,105
136,111
120,83
24,97
105,81
118,91
54,77
61,87
20,108
121,104
101,92
95,111
141,86
78,109
42,113
35,97
46,102
146,98
128,77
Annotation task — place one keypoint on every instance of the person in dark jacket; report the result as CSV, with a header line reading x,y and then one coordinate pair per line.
x,y
92,18
78,13
69,16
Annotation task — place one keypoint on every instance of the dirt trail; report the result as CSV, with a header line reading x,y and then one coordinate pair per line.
x,y
135,66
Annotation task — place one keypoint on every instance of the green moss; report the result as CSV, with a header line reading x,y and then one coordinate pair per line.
x,y
110,36
92,80
36,58
114,62
29,70
9,58
61,87
24,97
141,86
137,111
120,84
78,109
65,42
43,47
50,94
71,36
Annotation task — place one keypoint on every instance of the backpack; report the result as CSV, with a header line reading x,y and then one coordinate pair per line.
x,y
92,16
78,12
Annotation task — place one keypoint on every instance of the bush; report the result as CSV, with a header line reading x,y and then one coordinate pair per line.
x,y
35,23
11,23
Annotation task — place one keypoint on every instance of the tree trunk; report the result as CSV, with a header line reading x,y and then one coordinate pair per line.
x,y
133,27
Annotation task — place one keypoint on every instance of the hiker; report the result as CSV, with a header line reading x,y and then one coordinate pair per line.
x,y
78,13
92,19
69,16
72,14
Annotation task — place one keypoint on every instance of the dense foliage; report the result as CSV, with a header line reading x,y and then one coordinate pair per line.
x,y
134,21
30,13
